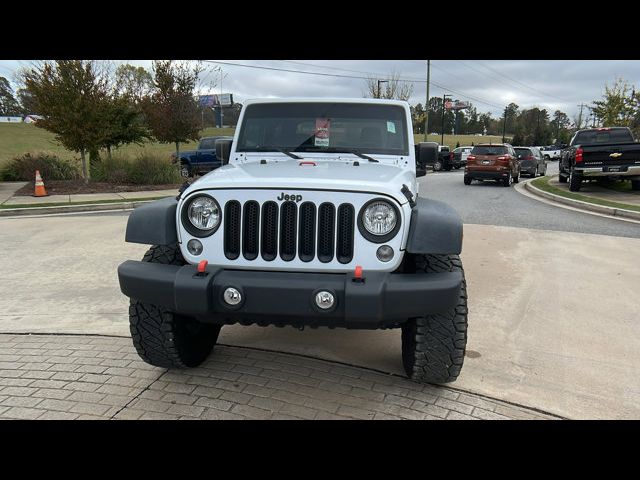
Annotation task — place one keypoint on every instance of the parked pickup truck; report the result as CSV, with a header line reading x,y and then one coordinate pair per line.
x,y
601,153
552,152
202,160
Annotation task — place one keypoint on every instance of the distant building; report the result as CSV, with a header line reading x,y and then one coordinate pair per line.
x,y
10,119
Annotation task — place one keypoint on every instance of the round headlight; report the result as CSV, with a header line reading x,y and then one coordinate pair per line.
x,y
379,218
201,216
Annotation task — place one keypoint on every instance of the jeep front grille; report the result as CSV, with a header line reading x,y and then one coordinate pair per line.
x,y
306,231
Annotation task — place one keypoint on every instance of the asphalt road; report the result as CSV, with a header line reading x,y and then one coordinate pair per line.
x,y
488,203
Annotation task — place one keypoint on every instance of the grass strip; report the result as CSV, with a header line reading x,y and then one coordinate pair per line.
x,y
543,184
90,202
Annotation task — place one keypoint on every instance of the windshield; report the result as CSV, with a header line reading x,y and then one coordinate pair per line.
x,y
489,150
525,152
324,127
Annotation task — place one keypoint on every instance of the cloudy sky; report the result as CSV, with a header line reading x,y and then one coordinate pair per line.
x,y
487,84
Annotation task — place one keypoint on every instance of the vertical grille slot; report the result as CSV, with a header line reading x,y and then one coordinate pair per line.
x,y
232,230
269,240
250,230
288,227
326,232
307,236
344,249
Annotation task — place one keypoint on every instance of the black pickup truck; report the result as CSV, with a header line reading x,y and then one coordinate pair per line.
x,y
600,153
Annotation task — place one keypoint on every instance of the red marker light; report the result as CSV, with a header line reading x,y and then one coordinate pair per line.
x,y
307,163
358,272
202,266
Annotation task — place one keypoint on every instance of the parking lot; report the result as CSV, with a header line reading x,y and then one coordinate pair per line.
x,y
550,329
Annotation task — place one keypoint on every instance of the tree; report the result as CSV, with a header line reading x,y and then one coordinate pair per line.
x,y
123,122
171,109
619,106
28,104
70,96
390,88
9,106
133,82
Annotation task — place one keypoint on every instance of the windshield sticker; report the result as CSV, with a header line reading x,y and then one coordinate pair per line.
x,y
391,127
322,132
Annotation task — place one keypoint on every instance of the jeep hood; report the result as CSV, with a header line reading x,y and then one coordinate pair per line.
x,y
289,175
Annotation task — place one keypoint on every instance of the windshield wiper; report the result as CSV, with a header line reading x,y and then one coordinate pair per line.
x,y
353,151
277,149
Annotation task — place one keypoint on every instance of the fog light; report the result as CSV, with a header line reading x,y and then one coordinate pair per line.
x,y
232,296
384,253
194,246
325,300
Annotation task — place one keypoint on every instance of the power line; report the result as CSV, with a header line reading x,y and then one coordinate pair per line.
x,y
263,67
524,84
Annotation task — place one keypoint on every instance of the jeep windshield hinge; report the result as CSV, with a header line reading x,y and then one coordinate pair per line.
x,y
407,193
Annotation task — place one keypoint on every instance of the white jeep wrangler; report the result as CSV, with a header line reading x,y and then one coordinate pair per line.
x,y
314,219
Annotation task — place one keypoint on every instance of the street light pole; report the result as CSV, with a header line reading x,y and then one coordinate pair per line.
x,y
444,100
426,105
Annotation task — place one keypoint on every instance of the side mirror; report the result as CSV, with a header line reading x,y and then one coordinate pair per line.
x,y
223,149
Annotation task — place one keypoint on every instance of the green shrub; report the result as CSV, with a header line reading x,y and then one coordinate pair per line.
x,y
51,167
145,169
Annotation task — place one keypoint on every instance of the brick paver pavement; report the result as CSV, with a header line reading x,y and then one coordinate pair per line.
x,y
97,377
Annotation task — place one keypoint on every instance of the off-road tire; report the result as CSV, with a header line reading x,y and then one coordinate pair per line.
x,y
467,180
635,185
433,346
437,166
575,182
163,338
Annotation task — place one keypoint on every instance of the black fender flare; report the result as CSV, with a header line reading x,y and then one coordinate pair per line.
x,y
153,223
436,228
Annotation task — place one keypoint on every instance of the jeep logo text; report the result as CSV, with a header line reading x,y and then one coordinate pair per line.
x,y
292,198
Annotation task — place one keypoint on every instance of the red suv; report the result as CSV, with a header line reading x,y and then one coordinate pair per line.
x,y
492,162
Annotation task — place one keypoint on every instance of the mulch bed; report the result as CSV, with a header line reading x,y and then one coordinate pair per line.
x,y
66,187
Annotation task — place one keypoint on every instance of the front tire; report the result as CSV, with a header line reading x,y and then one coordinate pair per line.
x,y
437,166
163,338
433,346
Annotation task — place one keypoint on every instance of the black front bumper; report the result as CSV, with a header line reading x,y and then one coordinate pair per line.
x,y
287,298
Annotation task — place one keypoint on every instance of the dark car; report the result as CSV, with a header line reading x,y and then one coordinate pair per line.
x,y
498,162
202,160
532,161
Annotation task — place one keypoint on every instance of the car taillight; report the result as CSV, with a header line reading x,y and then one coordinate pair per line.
x,y
451,156
502,157
471,157
530,157
579,155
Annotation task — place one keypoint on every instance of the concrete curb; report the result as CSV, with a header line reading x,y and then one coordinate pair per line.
x,y
98,207
616,212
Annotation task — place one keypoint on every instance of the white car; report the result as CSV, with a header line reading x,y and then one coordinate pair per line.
x,y
551,152
313,220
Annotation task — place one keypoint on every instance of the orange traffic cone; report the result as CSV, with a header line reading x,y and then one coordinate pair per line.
x,y
39,190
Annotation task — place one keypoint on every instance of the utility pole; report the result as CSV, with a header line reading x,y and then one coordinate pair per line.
x,y
444,100
426,116
379,90
582,105
504,125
